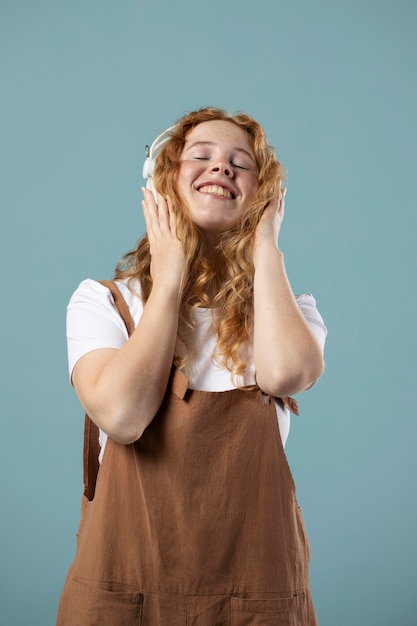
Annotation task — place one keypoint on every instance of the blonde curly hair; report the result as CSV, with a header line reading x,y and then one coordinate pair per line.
x,y
230,278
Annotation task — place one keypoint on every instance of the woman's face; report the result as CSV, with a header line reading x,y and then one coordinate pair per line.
x,y
218,175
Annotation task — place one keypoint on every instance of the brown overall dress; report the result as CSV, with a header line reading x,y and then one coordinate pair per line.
x,y
194,524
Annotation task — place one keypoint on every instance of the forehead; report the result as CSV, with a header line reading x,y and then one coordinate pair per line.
x,y
220,132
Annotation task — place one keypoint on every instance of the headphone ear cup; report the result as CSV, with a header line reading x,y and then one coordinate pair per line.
x,y
147,171
151,152
148,168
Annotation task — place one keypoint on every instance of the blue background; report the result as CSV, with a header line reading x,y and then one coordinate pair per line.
x,y
84,86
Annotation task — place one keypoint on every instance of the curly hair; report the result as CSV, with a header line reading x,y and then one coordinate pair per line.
x,y
232,273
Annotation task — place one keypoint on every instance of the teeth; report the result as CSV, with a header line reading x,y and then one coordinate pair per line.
x,y
216,190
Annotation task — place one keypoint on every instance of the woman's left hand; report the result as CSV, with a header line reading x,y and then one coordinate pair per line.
x,y
269,225
288,358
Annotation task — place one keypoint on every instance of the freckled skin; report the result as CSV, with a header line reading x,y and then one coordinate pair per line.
x,y
217,153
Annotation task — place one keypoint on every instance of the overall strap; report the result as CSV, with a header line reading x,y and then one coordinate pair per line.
x,y
291,404
91,432
121,305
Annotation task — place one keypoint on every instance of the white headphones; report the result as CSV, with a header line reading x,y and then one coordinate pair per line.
x,y
151,154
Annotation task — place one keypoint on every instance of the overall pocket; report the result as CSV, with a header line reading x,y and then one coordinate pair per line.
x,y
290,611
91,603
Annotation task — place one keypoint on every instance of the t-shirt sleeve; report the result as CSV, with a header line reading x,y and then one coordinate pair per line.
x,y
308,307
307,304
93,322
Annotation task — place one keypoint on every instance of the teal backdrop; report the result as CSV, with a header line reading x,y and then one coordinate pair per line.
x,y
84,86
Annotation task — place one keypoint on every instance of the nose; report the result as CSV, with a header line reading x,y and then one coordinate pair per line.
x,y
224,168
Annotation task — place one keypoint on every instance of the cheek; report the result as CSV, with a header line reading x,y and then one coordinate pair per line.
x,y
178,180
181,184
186,174
251,188
181,187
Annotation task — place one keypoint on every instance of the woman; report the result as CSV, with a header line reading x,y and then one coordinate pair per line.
x,y
194,518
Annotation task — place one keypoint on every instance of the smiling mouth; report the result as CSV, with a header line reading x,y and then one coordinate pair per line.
x,y
217,190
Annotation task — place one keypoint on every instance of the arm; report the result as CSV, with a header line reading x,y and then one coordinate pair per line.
x,y
121,390
288,358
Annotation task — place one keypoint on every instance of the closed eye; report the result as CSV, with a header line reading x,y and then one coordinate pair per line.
x,y
202,158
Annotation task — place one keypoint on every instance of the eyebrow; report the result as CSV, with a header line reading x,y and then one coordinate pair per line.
x,y
211,143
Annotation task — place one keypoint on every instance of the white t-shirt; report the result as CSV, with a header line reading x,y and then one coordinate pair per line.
x,y
93,322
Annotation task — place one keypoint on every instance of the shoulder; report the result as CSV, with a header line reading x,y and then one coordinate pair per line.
x,y
93,321
92,296
89,291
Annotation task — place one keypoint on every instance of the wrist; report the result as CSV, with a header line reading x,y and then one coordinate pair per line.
x,y
264,249
165,292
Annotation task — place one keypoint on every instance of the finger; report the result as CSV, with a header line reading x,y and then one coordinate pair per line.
x,y
149,198
281,201
148,222
149,209
274,205
163,215
172,217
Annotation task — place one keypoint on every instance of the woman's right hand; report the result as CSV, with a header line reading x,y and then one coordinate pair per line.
x,y
168,261
122,390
